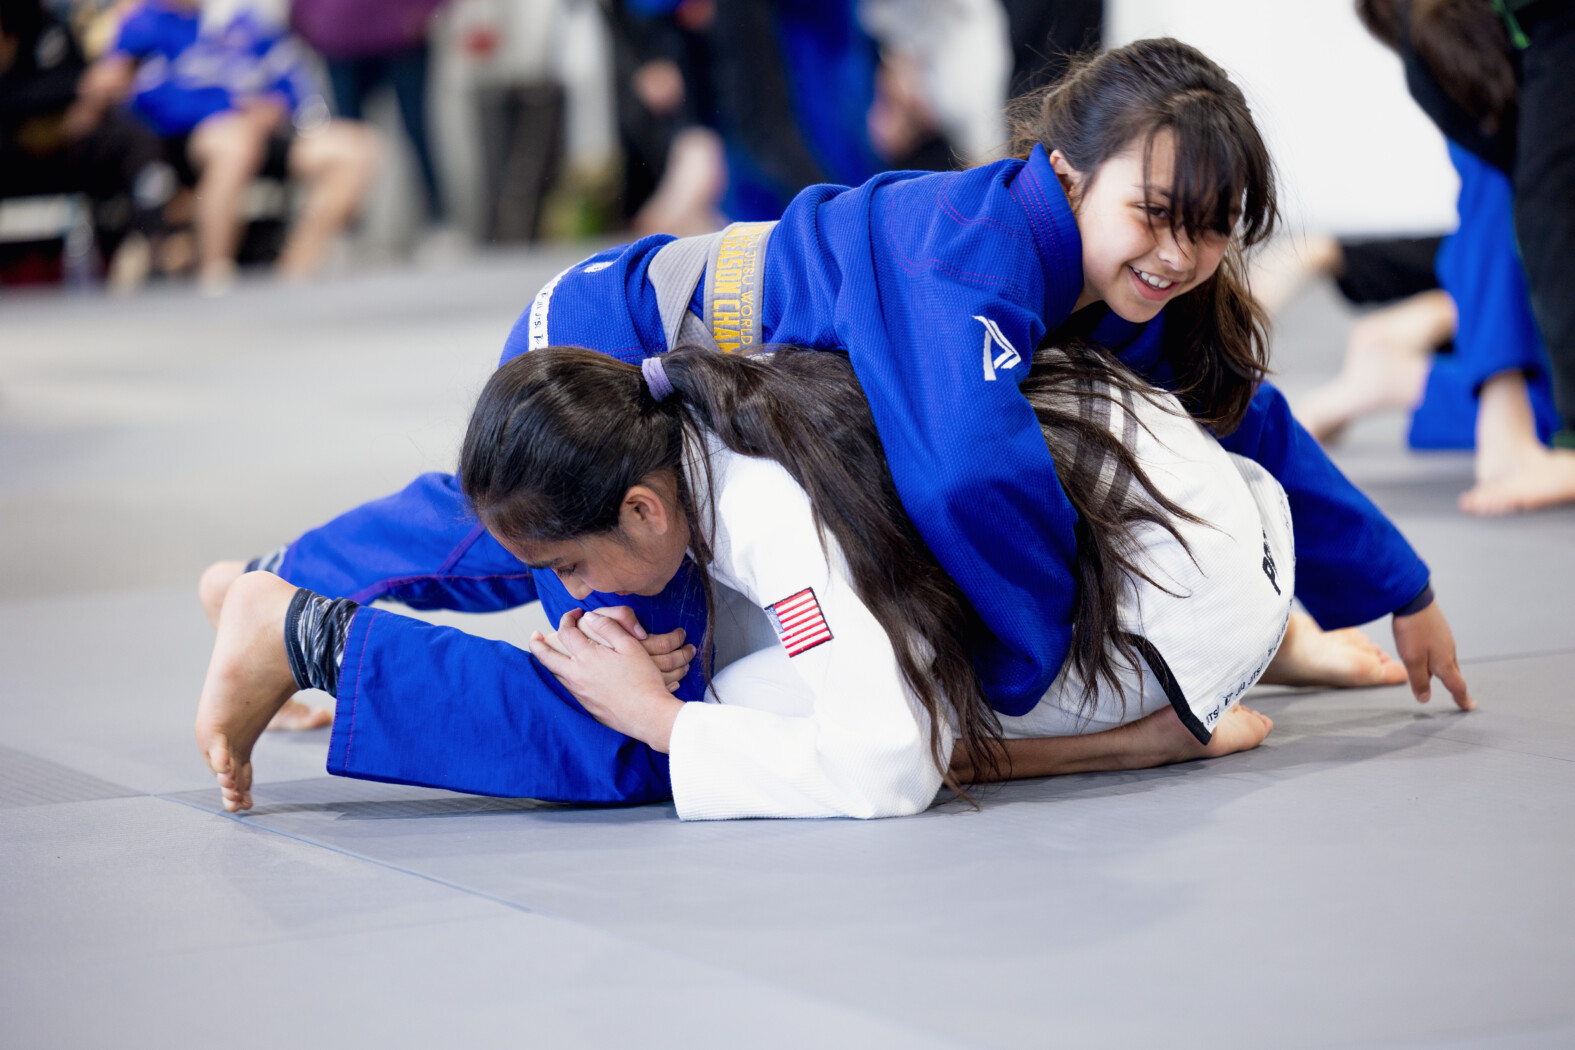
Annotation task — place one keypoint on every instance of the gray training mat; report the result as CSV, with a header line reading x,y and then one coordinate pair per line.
x,y
1378,874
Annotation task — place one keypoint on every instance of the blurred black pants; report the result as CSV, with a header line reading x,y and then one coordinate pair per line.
x,y
1544,179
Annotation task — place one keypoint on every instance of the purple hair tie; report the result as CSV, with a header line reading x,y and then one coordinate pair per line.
x,y
656,377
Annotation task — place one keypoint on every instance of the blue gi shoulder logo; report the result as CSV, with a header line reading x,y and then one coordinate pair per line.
x,y
1008,357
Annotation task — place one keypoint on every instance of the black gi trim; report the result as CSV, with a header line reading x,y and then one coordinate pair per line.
x,y
1167,682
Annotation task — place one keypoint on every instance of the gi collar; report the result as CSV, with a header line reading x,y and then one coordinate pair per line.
x,y
1037,190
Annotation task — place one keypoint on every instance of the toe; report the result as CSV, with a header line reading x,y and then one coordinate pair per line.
x,y
218,755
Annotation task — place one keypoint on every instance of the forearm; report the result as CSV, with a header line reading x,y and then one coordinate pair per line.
x,y
1143,744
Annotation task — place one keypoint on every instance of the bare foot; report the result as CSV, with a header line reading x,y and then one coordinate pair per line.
x,y
1239,729
295,716
1544,478
248,681
1160,739
1346,659
215,584
1386,363
1515,471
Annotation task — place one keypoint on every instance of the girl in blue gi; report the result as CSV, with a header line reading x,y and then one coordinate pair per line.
x,y
1141,177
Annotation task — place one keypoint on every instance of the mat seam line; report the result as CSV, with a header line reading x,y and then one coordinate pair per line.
x,y
513,906
1518,656
467,890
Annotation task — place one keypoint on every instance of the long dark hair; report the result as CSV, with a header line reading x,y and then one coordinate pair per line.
x,y
1216,336
1076,390
559,435
1462,44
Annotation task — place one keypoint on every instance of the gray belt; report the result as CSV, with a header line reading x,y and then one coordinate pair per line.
x,y
732,262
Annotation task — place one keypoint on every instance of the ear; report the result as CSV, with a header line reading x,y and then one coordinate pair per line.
x,y
1071,179
645,512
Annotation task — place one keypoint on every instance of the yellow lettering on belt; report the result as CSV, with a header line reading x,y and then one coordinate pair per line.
x,y
732,308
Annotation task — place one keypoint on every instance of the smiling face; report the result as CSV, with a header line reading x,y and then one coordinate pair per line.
x,y
1132,259
641,556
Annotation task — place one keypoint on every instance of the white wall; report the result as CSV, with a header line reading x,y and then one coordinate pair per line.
x,y
1355,154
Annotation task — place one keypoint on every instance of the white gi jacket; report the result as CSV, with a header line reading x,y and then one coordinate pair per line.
x,y
820,724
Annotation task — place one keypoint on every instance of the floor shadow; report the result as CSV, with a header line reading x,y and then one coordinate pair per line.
x,y
344,798
1300,745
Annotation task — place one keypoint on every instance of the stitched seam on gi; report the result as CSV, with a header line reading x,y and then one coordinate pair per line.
x,y
355,703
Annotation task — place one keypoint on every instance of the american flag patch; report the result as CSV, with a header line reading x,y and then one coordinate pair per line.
x,y
799,622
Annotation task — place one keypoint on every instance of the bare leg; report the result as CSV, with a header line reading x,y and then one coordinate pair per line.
x,y
248,681
686,202
215,584
337,162
1283,268
227,151
211,590
1386,363
1309,655
1515,472
1157,740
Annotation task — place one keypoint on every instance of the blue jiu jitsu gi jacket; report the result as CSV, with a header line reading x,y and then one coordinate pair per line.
x,y
939,287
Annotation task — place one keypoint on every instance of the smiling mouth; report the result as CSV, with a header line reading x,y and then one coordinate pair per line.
x,y
1159,284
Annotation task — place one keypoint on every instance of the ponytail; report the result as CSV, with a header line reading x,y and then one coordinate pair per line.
x,y
560,434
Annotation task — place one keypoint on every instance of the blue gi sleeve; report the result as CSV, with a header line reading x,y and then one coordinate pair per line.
x,y
1352,564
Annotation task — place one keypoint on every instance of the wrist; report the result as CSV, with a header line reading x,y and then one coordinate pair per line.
x,y
658,714
1417,604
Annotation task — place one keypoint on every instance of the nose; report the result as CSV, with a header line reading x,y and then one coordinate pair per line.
x,y
578,590
1175,250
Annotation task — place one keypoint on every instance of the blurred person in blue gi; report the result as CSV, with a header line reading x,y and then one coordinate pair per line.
x,y
227,91
1498,78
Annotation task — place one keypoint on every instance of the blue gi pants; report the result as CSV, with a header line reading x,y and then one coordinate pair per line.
x,y
438,707
1479,266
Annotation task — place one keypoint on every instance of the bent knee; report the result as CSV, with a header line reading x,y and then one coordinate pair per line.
x,y
226,141
341,145
215,583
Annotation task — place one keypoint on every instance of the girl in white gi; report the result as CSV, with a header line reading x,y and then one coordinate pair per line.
x,y
767,471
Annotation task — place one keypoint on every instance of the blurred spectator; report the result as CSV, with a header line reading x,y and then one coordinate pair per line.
x,y
371,43
1455,314
1045,33
946,66
230,97
1498,78
52,141
675,167
794,82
